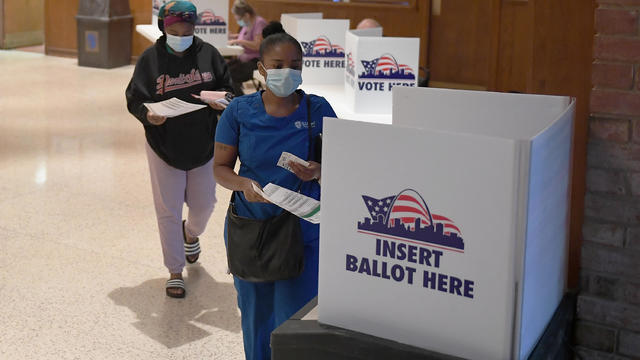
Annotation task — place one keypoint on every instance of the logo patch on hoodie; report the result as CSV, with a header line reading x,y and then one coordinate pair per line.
x,y
166,83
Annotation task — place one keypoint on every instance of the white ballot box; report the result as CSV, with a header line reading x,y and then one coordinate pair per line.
x,y
322,42
212,25
447,230
375,65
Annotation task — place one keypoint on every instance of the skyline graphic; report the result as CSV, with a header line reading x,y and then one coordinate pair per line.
x,y
386,67
406,216
322,47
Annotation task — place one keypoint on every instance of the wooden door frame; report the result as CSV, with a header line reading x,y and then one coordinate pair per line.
x,y
2,24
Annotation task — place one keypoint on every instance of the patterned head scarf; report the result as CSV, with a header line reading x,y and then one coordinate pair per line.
x,y
175,12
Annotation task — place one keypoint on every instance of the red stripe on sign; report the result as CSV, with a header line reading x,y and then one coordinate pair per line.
x,y
451,226
400,208
437,217
411,198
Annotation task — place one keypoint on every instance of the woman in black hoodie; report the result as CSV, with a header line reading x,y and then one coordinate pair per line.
x,y
179,149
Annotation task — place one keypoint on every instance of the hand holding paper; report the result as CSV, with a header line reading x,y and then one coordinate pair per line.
x,y
286,158
306,173
304,170
300,205
254,193
155,119
217,99
172,107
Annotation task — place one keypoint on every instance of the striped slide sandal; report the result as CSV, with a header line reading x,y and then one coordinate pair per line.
x,y
191,250
176,284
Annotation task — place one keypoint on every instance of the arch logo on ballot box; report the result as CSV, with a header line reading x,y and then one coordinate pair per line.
x,y
375,65
322,42
408,236
448,222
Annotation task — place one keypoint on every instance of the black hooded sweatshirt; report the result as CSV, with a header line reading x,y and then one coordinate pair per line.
x,y
186,141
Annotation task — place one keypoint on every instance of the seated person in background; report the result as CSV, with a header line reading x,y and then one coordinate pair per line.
x,y
368,23
250,38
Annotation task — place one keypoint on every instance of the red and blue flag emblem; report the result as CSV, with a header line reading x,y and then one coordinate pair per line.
x,y
406,216
351,66
386,67
322,47
208,17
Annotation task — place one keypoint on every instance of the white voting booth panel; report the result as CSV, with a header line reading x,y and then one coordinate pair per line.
x,y
212,25
322,42
375,65
447,230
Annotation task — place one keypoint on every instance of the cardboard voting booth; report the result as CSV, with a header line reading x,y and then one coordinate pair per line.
x,y
448,229
322,42
375,65
212,25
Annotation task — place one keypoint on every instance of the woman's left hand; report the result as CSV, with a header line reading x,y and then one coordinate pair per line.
x,y
217,106
306,173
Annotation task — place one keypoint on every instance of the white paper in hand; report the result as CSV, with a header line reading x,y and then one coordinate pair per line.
x,y
173,107
212,97
300,205
286,157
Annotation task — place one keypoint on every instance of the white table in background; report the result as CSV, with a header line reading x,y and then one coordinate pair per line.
x,y
335,95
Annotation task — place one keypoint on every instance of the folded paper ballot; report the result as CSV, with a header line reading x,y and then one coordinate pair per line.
x,y
221,97
300,205
173,107
286,157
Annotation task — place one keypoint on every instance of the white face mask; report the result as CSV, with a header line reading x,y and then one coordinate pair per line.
x,y
179,43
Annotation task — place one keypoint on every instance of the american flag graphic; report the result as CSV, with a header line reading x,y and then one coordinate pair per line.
x,y
369,66
322,47
351,66
449,226
308,47
378,207
208,17
406,207
409,206
386,66
407,69
406,217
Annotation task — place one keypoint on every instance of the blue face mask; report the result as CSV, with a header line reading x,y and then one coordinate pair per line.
x,y
283,82
179,43
242,23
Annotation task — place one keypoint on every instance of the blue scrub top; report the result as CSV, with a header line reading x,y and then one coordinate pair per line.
x,y
261,139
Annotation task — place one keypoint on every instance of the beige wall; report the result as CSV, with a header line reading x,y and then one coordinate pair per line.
x,y
22,23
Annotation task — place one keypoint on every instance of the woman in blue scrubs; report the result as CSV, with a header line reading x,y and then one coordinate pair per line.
x,y
256,129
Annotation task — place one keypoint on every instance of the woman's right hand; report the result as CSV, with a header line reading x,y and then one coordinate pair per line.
x,y
250,194
155,119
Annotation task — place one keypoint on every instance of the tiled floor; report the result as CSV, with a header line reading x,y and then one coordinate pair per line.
x,y
81,274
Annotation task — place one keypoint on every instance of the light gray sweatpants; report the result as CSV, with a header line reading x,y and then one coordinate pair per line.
x,y
171,189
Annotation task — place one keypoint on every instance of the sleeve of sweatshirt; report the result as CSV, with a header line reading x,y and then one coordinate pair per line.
x,y
222,74
140,90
